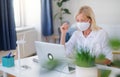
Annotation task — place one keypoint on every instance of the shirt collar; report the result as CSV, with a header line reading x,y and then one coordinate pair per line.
x,y
91,35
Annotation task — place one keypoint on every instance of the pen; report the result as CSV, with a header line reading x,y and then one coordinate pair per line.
x,y
14,54
8,56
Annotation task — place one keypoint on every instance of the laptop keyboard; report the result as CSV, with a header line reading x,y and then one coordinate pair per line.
x,y
64,67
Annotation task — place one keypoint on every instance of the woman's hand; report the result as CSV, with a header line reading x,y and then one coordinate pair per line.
x,y
107,62
64,28
104,62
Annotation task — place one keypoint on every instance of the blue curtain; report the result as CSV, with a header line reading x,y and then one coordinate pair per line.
x,y
47,22
7,26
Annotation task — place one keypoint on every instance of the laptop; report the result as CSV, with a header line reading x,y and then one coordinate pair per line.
x,y
53,56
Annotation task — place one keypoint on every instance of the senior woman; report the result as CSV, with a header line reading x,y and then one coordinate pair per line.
x,y
88,34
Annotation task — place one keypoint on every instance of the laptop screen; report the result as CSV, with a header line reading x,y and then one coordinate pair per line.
x,y
49,51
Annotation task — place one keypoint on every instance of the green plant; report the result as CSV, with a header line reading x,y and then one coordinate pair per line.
x,y
62,10
118,75
105,73
51,64
114,43
116,63
100,59
84,58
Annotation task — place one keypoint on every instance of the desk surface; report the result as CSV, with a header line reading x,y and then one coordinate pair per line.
x,y
34,70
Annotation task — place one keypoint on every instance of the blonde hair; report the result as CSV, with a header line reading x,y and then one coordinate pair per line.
x,y
90,14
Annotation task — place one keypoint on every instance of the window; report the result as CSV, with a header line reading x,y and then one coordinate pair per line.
x,y
27,12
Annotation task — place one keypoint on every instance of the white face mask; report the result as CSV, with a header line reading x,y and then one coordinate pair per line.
x,y
82,26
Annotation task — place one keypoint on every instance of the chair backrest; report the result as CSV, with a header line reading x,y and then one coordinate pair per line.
x,y
70,32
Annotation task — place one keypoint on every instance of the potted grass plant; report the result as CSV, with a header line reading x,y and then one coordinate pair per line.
x,y
116,63
102,72
100,59
85,63
114,43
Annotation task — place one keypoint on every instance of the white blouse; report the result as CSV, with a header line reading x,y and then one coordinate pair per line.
x,y
96,41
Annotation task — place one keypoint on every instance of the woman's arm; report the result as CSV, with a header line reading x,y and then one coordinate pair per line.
x,y
62,41
106,49
69,46
103,49
63,29
104,62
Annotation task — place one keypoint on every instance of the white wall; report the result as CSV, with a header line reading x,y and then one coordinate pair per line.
x,y
107,12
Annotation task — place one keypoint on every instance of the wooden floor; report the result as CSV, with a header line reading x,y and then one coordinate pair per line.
x,y
10,75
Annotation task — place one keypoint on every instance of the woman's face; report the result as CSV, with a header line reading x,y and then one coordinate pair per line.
x,y
82,18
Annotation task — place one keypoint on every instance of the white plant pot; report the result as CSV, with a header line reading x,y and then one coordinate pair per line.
x,y
86,72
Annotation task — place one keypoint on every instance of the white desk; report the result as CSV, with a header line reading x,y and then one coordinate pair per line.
x,y
34,70
114,72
